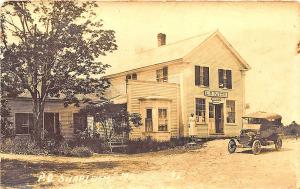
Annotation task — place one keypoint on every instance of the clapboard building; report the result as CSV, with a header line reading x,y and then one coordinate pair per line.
x,y
202,75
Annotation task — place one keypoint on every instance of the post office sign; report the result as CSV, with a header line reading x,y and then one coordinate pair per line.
x,y
219,94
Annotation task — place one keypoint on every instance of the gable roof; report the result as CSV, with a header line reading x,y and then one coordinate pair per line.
x,y
171,52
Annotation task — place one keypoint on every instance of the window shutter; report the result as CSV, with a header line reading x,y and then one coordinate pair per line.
x,y
206,76
229,79
197,75
221,78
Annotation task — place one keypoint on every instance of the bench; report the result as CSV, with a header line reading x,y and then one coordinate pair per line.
x,y
117,142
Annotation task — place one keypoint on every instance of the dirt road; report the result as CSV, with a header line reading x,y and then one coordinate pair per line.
x,y
213,167
207,167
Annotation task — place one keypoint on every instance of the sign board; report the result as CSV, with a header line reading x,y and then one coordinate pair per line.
x,y
218,94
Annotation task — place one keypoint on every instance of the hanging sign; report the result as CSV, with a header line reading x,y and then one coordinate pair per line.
x,y
217,94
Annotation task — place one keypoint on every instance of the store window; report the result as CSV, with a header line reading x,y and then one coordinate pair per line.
x,y
162,119
79,122
201,76
230,107
211,110
225,79
162,75
23,123
200,110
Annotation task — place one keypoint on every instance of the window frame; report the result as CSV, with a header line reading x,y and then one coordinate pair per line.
x,y
200,105
76,130
225,82
165,119
132,76
162,74
28,120
211,111
201,80
230,112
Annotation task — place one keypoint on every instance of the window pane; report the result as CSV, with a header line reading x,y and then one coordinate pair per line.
x,y
200,109
221,78
228,79
211,110
162,119
230,108
134,76
79,122
22,122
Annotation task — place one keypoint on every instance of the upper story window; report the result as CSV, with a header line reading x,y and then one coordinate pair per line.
x,y
225,79
162,75
201,76
131,76
200,110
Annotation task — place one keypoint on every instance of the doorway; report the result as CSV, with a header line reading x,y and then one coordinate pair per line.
x,y
219,118
51,123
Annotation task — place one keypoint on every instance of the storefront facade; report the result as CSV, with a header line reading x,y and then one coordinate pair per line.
x,y
208,80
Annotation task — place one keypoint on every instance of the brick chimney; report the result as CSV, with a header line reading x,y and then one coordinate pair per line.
x,y
161,39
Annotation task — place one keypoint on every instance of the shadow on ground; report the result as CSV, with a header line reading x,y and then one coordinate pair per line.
x,y
264,151
17,173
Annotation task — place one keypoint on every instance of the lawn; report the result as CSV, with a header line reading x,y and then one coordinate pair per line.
x,y
53,171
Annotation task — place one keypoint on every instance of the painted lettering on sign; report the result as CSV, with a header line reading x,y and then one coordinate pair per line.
x,y
215,99
219,94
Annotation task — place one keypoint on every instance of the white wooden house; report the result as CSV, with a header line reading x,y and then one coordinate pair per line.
x,y
202,75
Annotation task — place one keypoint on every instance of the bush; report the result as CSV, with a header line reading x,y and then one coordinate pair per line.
x,y
84,139
81,152
292,129
22,145
63,149
149,145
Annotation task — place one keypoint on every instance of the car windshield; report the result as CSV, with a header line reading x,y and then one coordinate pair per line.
x,y
251,120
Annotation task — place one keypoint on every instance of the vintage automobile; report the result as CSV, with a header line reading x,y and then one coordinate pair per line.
x,y
258,129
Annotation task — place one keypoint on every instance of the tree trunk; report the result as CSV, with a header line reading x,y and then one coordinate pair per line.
x,y
38,112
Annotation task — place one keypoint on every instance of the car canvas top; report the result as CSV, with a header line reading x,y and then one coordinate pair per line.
x,y
263,115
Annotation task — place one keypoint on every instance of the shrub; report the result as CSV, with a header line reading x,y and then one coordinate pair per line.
x,y
84,139
22,145
150,145
292,129
81,152
63,149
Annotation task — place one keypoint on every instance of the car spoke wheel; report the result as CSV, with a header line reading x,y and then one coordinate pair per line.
x,y
278,144
231,146
256,147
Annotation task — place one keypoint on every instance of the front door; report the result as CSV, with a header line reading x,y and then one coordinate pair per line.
x,y
219,118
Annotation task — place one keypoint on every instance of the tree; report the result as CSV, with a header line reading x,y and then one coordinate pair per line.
x,y
113,118
53,49
6,124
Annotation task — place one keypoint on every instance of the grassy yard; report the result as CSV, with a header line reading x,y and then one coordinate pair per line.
x,y
36,171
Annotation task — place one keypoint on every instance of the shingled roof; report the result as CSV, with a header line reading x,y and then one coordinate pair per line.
x,y
170,52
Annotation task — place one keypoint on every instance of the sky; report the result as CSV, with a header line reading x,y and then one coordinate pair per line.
x,y
264,33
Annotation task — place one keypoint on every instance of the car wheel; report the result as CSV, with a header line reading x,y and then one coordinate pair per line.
x,y
278,144
231,146
256,147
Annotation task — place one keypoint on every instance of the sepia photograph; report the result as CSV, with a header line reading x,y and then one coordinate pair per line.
x,y
150,94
